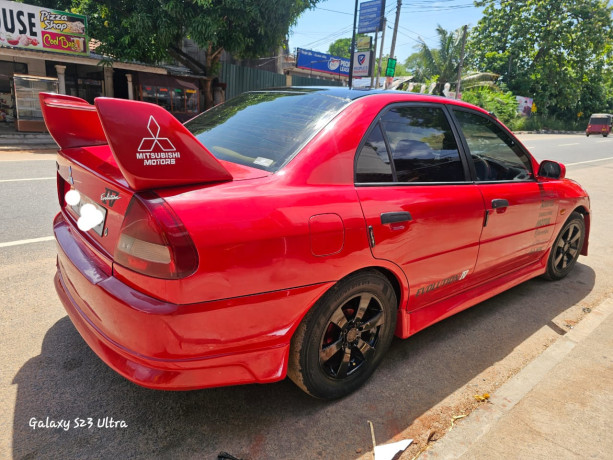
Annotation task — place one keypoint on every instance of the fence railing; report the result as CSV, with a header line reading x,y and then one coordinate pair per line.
x,y
240,79
310,81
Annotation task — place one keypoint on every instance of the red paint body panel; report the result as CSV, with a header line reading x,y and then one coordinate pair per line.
x,y
424,317
269,245
439,243
71,121
516,235
171,340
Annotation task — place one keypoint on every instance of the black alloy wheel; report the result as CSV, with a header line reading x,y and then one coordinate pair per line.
x,y
352,336
344,337
566,248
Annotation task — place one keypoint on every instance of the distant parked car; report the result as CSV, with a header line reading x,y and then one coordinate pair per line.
x,y
293,231
600,123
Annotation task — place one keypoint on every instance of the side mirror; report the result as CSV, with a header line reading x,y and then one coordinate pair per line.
x,y
552,170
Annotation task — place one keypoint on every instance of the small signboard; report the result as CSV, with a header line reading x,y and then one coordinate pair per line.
x,y
361,63
364,43
322,62
391,68
524,105
371,16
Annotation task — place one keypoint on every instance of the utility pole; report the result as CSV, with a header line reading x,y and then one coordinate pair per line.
x,y
457,88
374,61
355,19
393,48
381,52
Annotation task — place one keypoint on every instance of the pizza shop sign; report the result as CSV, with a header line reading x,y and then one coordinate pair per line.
x,y
42,29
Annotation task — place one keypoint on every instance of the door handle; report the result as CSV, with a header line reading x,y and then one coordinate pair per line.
x,y
500,203
395,217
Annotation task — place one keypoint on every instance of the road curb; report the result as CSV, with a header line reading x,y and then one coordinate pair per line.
x,y
549,131
469,432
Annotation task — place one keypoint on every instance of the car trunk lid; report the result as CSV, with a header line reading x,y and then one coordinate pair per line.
x,y
116,152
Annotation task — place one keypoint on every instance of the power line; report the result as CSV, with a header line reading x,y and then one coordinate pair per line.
x,y
334,11
339,32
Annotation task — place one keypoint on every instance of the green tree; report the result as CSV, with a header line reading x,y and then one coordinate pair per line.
x,y
442,61
415,66
493,99
342,47
556,52
151,30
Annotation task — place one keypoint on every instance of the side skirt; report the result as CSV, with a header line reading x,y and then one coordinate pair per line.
x,y
418,320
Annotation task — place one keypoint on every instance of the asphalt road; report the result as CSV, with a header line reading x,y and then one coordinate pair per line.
x,y
47,371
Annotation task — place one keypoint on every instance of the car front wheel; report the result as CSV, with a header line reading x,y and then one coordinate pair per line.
x,y
344,337
566,248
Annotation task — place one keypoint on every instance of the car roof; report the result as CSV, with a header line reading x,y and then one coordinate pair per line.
x,y
351,94
335,91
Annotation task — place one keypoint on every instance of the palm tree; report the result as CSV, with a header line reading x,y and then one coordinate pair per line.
x,y
440,64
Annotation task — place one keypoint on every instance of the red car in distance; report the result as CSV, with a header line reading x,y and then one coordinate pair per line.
x,y
293,231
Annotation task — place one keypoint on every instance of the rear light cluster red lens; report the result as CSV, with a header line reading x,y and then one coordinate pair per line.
x,y
62,187
153,240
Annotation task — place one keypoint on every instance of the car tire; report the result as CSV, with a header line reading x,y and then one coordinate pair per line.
x,y
566,248
604,135
344,337
587,134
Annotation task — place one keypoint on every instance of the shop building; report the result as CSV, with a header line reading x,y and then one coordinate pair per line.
x,y
48,50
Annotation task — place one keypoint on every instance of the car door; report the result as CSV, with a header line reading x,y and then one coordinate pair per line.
x,y
520,212
422,212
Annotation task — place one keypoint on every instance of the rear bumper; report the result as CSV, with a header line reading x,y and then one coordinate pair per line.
x,y
597,131
177,347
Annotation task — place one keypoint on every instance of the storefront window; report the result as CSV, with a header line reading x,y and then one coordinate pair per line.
x,y
84,81
178,95
191,105
149,94
164,98
178,100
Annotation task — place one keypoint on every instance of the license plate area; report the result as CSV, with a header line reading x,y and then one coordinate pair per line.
x,y
86,200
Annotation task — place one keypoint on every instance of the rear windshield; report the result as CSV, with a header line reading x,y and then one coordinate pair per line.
x,y
600,121
265,129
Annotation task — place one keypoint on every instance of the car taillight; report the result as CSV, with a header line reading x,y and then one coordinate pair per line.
x,y
62,187
153,240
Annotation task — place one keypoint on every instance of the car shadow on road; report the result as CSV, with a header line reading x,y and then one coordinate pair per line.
x,y
67,382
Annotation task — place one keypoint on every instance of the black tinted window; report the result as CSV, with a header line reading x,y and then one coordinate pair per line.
x,y
600,121
497,157
423,145
374,161
264,129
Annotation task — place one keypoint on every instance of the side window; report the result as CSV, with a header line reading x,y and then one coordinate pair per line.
x,y
373,161
423,145
497,157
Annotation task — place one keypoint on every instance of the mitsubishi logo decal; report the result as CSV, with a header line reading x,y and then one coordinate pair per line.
x,y
156,150
147,144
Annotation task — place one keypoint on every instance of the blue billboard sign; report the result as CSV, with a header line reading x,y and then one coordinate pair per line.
x,y
371,16
322,62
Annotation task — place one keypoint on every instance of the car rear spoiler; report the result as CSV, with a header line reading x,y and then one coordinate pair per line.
x,y
151,147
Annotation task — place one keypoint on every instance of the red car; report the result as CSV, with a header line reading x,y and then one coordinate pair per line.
x,y
293,231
